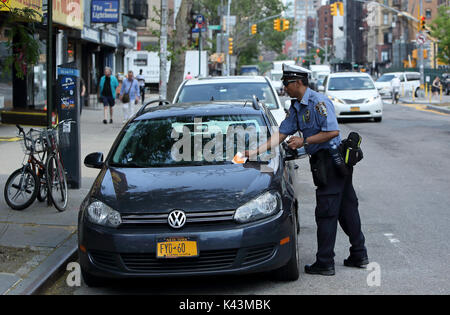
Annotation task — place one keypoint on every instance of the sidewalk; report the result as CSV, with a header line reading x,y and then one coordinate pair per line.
x,y
435,103
37,241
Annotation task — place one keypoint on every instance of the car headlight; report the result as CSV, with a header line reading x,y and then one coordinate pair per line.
x,y
99,213
335,99
264,206
372,98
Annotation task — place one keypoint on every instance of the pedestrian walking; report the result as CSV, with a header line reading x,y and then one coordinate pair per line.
x,y
129,94
108,85
436,86
141,81
312,114
395,89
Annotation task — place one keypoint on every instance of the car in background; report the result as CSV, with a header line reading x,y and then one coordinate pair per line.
x,y
409,81
232,88
354,95
151,213
275,77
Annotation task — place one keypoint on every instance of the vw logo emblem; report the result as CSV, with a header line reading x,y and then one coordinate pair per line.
x,y
177,219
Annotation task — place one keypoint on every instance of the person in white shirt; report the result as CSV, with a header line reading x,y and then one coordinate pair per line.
x,y
141,81
395,88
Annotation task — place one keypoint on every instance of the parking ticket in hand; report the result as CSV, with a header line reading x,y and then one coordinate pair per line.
x,y
239,158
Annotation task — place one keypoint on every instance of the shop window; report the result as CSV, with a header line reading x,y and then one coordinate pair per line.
x,y
6,82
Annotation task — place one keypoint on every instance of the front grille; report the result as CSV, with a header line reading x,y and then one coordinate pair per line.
x,y
104,259
207,260
258,254
191,217
358,101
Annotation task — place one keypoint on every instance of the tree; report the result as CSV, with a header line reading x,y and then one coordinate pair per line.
x,y
440,29
21,41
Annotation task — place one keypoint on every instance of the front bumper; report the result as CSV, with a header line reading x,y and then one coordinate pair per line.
x,y
367,110
235,249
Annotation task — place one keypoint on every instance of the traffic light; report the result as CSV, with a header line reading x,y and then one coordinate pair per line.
x,y
254,29
340,5
276,25
422,23
285,25
230,45
333,9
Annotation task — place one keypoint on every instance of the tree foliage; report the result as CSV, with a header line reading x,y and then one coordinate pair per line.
x,y
21,41
441,30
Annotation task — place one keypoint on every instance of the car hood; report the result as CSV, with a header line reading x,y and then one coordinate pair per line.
x,y
353,95
196,188
380,85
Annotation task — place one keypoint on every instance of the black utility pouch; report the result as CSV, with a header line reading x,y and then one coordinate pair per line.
x,y
351,150
319,168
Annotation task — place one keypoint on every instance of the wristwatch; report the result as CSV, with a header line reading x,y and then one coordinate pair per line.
x,y
305,143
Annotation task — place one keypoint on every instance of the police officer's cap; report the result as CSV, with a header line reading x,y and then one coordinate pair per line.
x,y
293,71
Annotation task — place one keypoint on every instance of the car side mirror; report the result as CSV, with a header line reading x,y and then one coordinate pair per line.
x,y
321,88
94,160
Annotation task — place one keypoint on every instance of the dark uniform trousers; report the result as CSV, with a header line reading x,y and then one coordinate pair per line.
x,y
337,202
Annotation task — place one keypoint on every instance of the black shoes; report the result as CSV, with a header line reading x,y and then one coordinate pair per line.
x,y
358,263
110,121
104,121
316,270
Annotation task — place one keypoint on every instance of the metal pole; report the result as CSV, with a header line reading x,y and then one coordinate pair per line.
x,y
163,52
422,79
222,42
228,35
50,58
200,52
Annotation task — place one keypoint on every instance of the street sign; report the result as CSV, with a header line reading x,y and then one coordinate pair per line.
x,y
421,39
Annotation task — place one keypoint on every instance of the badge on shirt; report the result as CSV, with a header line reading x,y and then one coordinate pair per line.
x,y
306,116
321,108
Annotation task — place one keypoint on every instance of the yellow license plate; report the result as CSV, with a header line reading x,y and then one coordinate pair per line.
x,y
176,248
354,109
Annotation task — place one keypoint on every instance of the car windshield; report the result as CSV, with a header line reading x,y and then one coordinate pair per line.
x,y
386,78
276,76
350,83
187,140
228,92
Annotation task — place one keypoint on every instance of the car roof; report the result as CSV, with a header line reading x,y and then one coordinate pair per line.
x,y
229,79
349,74
201,109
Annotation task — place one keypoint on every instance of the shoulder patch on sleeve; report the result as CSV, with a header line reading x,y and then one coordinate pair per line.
x,y
321,108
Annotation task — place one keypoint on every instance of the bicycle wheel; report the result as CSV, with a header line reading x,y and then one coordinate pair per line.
x,y
21,189
56,182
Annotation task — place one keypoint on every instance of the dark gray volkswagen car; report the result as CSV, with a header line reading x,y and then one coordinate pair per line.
x,y
151,213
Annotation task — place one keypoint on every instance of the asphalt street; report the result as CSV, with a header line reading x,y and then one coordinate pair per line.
x,y
403,189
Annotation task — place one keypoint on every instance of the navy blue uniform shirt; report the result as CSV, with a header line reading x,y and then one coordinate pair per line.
x,y
313,114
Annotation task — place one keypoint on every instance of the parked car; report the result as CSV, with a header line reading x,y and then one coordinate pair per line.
x,y
150,214
354,95
409,81
232,88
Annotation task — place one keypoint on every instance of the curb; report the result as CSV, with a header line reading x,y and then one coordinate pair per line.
x,y
439,109
54,263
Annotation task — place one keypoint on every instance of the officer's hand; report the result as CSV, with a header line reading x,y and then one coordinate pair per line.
x,y
295,142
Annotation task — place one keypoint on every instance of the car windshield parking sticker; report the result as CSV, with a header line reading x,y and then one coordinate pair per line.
x,y
322,109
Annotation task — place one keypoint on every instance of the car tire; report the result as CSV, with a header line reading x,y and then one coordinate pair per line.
x,y
416,92
290,271
378,119
91,280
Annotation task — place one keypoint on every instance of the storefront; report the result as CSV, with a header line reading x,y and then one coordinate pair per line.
x,y
24,100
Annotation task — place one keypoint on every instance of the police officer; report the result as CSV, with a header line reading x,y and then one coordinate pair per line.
x,y
313,115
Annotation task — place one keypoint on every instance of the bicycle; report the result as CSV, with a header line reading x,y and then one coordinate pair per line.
x,y
55,173
27,183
